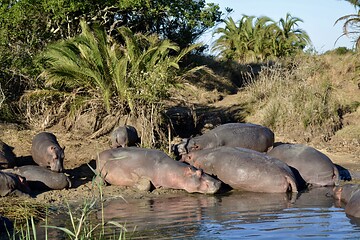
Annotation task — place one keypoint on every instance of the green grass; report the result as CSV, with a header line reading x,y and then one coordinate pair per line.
x,y
81,223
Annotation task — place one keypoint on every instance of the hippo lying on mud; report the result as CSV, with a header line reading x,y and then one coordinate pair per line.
x,y
124,136
350,195
130,166
7,156
13,185
40,178
245,135
46,151
310,165
244,169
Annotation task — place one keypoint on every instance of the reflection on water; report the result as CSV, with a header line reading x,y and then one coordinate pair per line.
x,y
235,215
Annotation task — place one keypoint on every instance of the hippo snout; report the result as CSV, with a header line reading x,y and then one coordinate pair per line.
x,y
214,187
210,185
56,166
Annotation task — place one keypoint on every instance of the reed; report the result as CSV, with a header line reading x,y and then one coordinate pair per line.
x,y
81,224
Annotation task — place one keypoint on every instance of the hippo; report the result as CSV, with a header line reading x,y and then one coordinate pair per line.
x,y
312,167
245,135
244,169
124,136
350,195
46,151
7,156
40,178
131,165
13,185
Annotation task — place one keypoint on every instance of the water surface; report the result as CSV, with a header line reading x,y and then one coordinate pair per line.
x,y
236,215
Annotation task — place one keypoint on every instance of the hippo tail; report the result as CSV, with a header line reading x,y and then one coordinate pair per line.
x,y
292,187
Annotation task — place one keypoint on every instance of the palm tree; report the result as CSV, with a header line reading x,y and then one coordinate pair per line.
x,y
242,41
147,68
226,44
259,39
351,26
139,70
82,62
356,3
289,38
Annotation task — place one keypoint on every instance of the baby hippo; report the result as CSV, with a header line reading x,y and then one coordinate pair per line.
x,y
124,136
46,151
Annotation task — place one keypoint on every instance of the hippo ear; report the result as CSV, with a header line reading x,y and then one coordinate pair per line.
x,y
22,179
198,173
189,171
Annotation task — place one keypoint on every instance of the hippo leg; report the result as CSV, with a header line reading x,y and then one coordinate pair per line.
x,y
292,187
143,184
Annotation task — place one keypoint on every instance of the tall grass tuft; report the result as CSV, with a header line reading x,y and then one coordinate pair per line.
x,y
83,228
287,95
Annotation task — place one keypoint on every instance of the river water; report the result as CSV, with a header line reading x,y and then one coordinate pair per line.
x,y
236,215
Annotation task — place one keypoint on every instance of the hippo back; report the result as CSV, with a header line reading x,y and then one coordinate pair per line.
x,y
244,169
129,166
352,208
244,135
314,167
39,178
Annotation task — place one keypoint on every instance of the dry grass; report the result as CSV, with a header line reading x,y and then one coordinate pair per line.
x,y
305,97
21,209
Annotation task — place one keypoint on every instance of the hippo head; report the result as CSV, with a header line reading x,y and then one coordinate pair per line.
x,y
56,158
189,158
180,149
197,181
22,184
192,145
345,192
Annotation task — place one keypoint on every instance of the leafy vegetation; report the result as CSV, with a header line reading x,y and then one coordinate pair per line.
x,y
94,70
28,26
106,68
258,39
